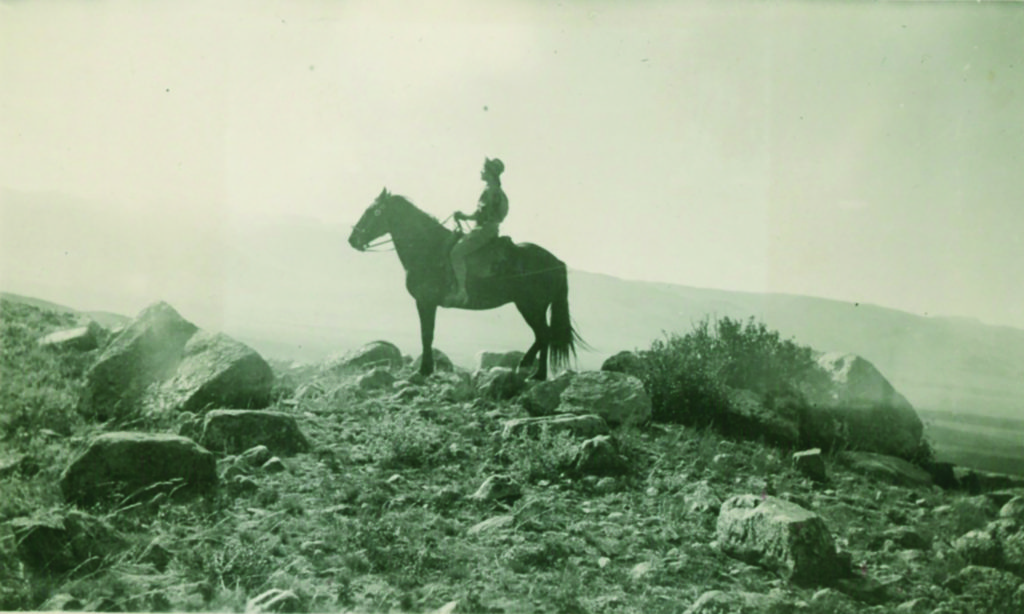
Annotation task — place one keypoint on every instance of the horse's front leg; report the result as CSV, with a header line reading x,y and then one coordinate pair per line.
x,y
428,315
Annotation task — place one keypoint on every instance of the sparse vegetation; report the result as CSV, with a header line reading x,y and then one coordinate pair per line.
x,y
379,516
689,376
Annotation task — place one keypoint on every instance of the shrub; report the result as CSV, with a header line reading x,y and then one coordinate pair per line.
x,y
544,457
405,440
688,377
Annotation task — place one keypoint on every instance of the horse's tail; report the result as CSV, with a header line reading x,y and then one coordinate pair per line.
x,y
564,337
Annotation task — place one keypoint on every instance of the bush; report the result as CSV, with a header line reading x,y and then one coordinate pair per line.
x,y
405,440
688,377
544,457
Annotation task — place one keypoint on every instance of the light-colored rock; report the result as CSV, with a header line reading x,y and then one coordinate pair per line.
x,y
373,354
738,602
748,417
915,606
497,488
580,425
130,462
487,360
811,464
232,431
255,456
499,383
81,338
162,361
148,350
779,536
889,468
860,409
274,600
274,465
616,397
217,371
495,523
1013,510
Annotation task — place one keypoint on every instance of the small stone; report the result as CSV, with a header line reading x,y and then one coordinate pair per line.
x,y
497,488
274,465
495,523
274,600
811,464
243,484
603,562
256,456
606,485
640,571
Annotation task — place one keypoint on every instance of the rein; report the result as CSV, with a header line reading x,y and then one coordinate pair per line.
x,y
370,247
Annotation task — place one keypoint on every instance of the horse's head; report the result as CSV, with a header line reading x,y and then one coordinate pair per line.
x,y
373,224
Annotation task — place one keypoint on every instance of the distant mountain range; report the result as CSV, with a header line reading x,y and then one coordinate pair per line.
x,y
294,289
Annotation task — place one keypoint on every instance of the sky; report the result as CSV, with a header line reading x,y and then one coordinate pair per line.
x,y
867,152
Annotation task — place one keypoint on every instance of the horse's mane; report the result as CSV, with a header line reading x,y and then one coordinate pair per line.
x,y
405,202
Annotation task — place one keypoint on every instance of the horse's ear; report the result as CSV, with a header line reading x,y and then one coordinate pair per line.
x,y
384,193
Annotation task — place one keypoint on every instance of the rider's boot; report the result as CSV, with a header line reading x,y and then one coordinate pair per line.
x,y
460,297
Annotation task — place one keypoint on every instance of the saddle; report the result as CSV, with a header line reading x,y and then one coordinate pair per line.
x,y
495,259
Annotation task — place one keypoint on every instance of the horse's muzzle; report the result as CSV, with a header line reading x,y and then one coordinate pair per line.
x,y
356,243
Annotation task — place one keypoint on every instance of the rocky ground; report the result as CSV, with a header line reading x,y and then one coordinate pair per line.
x,y
375,490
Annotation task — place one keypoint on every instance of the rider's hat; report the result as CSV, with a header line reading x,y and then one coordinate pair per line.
x,y
494,166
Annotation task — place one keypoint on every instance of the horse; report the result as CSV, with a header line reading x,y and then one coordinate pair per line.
x,y
530,277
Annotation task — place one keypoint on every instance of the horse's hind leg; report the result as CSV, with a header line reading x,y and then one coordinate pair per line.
x,y
536,317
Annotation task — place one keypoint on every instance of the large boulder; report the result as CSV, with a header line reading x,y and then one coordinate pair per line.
x,y
233,431
616,397
543,398
859,409
747,416
134,463
82,338
162,361
373,354
62,541
217,371
499,383
146,351
780,536
487,360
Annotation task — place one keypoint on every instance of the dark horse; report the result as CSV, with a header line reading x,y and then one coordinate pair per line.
x,y
533,279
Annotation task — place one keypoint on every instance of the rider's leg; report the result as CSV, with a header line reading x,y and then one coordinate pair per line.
x,y
461,270
477,238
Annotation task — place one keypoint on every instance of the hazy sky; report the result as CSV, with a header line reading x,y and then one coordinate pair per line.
x,y
862,151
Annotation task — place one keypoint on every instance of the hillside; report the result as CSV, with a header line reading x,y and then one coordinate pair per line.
x,y
413,495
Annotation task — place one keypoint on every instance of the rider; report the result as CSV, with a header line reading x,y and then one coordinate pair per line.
x,y
491,209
